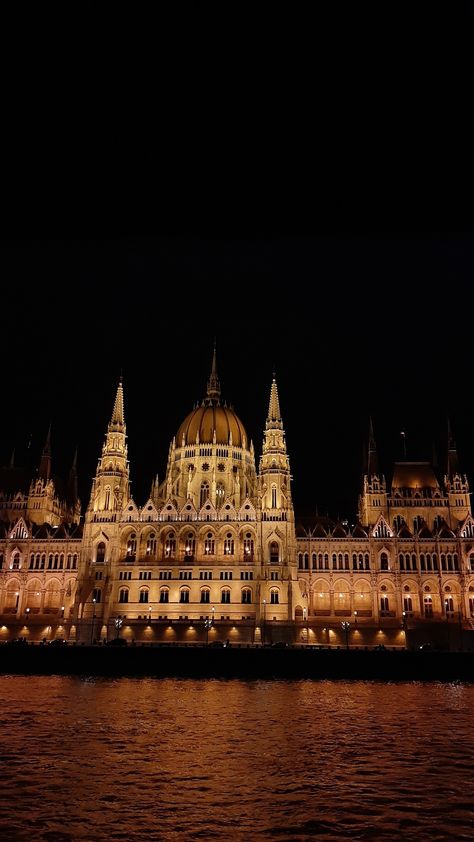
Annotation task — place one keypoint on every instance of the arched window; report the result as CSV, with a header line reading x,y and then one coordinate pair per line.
x,y
204,493
107,497
151,544
246,596
274,596
209,544
170,545
32,561
97,595
274,497
314,561
225,595
408,605
15,563
274,553
205,595
384,604
74,561
189,545
184,595
449,605
383,561
428,606
306,561
248,547
164,595
300,561
123,595
132,546
100,554
143,595
229,544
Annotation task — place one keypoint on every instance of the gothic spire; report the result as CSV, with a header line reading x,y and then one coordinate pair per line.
x,y
117,422
453,465
372,460
72,481
213,385
45,463
274,420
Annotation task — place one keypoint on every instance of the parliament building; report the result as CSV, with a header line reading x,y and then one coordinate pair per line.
x,y
215,553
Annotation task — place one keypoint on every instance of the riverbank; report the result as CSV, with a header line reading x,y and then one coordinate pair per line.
x,y
237,662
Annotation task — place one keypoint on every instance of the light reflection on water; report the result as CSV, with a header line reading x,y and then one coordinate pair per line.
x,y
148,759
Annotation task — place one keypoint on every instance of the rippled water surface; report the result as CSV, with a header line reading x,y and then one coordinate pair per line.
x,y
147,759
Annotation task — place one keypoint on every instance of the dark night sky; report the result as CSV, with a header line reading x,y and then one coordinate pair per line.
x,y
324,212
353,325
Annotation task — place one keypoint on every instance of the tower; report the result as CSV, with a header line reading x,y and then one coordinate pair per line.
x,y
110,488
373,500
277,524
456,484
101,538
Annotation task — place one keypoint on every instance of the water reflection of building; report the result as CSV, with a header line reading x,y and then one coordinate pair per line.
x,y
214,552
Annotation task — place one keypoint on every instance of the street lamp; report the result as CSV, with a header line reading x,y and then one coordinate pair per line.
x,y
264,620
346,628
62,610
93,622
355,618
149,615
27,613
118,625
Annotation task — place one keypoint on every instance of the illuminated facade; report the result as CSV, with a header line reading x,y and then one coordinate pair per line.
x,y
214,553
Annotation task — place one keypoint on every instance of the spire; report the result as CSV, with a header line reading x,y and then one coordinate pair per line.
x,y
372,460
453,466
213,385
45,464
72,481
274,414
118,420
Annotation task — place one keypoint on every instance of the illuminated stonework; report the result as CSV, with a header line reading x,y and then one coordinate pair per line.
x,y
214,552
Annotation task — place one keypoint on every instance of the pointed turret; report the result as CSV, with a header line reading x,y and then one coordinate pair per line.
x,y
117,422
274,415
111,486
274,462
72,482
453,462
44,471
213,386
372,459
374,500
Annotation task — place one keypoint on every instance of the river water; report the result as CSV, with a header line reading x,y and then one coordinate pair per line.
x,y
171,760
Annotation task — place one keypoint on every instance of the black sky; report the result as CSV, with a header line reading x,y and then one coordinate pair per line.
x,y
310,206
353,326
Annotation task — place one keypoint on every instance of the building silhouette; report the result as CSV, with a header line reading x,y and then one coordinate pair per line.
x,y
215,552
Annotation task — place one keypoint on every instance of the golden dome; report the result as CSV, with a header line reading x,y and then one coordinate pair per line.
x,y
205,419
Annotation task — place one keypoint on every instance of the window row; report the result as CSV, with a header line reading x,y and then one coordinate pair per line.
x,y
205,595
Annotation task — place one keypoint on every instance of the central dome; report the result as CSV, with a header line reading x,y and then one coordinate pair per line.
x,y
212,418
205,419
